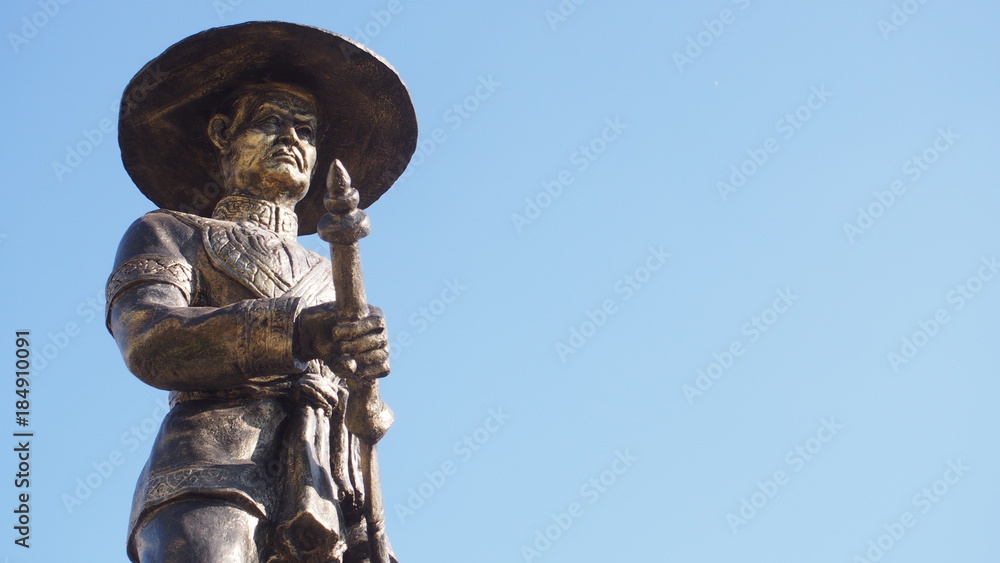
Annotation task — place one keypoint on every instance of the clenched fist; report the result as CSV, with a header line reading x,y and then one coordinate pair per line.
x,y
359,349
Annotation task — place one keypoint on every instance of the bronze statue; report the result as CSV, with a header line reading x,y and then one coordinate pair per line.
x,y
270,353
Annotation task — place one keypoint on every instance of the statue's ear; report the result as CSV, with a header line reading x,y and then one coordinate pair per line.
x,y
218,131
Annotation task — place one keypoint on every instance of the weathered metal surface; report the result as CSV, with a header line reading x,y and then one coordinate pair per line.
x,y
270,353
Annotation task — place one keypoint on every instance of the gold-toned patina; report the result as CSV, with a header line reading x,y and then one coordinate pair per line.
x,y
270,352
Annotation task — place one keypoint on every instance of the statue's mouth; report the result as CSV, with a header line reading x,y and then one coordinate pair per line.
x,y
286,155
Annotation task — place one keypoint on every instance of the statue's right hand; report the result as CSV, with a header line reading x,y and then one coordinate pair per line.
x,y
356,348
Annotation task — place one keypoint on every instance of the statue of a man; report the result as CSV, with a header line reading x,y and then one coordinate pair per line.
x,y
213,298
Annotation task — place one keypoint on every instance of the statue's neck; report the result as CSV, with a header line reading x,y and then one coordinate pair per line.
x,y
267,214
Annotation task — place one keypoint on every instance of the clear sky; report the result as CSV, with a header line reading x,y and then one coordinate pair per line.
x,y
708,281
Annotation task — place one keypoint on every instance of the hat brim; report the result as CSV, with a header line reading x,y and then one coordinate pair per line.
x,y
370,124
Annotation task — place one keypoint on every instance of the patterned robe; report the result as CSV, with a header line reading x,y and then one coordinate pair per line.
x,y
205,308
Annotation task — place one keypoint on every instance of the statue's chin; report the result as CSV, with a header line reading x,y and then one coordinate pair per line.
x,y
276,184
289,184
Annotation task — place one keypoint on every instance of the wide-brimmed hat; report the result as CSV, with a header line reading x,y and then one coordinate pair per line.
x,y
368,117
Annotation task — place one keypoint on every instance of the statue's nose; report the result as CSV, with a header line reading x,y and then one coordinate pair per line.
x,y
287,135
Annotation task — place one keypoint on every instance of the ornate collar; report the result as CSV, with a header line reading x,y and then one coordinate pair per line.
x,y
265,214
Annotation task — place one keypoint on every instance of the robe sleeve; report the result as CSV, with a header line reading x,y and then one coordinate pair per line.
x,y
172,345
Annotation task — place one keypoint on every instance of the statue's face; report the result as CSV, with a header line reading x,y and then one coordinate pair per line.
x,y
271,152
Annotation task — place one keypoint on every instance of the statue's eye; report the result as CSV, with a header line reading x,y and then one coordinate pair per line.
x,y
270,122
304,132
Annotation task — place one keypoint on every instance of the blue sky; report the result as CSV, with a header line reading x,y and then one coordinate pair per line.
x,y
704,281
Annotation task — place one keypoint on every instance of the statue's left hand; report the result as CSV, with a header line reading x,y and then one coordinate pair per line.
x,y
319,391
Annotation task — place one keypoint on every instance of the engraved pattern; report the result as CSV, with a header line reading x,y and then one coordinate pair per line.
x,y
265,327
255,259
166,486
260,261
264,213
151,268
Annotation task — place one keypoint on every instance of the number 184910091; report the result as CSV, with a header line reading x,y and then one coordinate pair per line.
x,y
22,510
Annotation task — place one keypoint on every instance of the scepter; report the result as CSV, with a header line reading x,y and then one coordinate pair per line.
x,y
342,227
